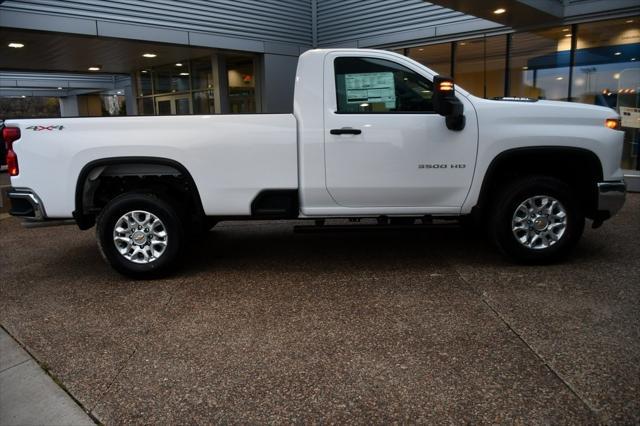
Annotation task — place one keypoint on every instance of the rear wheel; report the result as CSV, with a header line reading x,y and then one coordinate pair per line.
x,y
140,235
536,220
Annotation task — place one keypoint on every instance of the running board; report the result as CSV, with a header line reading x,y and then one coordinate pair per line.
x,y
309,229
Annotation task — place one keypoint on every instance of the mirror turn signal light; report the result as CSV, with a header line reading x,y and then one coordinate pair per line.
x,y
446,86
613,123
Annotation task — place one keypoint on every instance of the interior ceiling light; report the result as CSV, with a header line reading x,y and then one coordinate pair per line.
x,y
16,45
178,64
565,30
59,88
567,35
559,78
184,73
144,71
618,53
96,68
630,21
499,11
149,55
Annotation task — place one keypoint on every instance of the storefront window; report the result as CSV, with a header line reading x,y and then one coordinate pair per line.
x,y
606,61
201,74
539,64
113,105
203,102
435,56
32,106
145,106
144,83
480,65
167,89
171,78
607,72
241,77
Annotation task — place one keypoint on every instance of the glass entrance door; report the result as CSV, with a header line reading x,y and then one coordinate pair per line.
x,y
174,105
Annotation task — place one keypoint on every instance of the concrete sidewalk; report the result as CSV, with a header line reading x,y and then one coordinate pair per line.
x,y
28,396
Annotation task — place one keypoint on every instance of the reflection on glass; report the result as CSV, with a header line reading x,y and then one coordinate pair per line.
x,y
144,83
183,106
113,105
164,107
145,106
480,66
171,78
203,102
435,56
241,78
606,60
539,64
201,74
607,72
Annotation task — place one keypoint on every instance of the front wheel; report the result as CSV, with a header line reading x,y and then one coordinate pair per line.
x,y
536,220
140,235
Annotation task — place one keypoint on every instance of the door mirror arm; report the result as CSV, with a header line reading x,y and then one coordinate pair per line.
x,y
447,104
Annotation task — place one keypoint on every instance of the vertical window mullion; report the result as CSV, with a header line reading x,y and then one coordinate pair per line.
x,y
452,68
507,68
572,58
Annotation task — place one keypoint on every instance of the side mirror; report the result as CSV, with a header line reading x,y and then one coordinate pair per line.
x,y
446,104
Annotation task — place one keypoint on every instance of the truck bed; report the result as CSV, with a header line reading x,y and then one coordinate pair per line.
x,y
230,157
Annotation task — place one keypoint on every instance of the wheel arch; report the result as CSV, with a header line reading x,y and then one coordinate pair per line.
x,y
580,167
126,166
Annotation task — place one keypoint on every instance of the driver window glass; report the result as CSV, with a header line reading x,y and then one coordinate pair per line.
x,y
371,85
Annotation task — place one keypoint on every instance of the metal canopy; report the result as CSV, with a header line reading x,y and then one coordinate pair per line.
x,y
73,53
519,13
531,13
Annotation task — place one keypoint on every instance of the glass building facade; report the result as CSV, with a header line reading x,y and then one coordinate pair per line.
x,y
596,63
188,87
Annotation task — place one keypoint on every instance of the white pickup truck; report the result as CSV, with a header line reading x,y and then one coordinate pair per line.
x,y
373,135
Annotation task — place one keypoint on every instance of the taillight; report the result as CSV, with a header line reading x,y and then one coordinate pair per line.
x,y
10,135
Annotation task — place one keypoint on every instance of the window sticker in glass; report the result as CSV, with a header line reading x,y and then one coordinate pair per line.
x,y
375,87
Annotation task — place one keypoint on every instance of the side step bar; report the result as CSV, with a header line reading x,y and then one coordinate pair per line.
x,y
309,229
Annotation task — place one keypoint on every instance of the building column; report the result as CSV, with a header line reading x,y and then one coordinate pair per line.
x,y
130,101
69,106
220,84
278,81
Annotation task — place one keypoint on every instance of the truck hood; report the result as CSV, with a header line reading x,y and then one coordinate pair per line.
x,y
554,110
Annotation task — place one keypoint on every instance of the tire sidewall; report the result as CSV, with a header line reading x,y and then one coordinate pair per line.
x,y
517,193
153,204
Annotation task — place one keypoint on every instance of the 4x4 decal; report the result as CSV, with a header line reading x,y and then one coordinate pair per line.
x,y
39,128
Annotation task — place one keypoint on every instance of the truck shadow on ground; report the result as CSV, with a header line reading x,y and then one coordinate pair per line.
x,y
277,248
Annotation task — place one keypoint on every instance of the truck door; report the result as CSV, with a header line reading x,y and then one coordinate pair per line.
x,y
384,144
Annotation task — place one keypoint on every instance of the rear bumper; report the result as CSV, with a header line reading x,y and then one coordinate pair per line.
x,y
611,197
26,203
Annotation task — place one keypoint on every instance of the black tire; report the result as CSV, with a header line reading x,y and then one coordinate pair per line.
x,y
510,198
164,211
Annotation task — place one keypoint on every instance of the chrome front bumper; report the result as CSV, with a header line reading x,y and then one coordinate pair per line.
x,y
611,197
